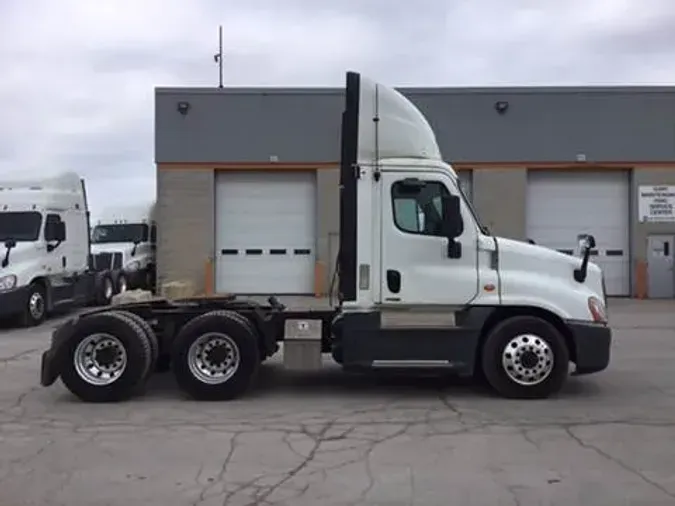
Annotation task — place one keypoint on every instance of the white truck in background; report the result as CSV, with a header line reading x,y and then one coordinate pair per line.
x,y
126,237
45,258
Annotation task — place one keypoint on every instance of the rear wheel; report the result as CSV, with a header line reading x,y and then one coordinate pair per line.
x,y
105,289
122,284
525,357
149,335
215,356
106,359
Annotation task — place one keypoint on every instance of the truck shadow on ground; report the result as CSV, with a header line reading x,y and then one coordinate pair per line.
x,y
273,381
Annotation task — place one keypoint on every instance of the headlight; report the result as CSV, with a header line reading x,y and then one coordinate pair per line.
x,y
134,266
7,282
597,309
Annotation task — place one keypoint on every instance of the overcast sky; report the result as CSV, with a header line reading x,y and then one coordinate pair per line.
x,y
77,76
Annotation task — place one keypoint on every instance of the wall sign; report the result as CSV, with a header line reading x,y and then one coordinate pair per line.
x,y
656,204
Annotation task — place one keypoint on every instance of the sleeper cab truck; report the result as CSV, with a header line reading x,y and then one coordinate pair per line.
x,y
421,283
45,261
126,235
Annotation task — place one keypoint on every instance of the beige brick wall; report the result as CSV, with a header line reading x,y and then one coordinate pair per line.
x,y
185,219
500,199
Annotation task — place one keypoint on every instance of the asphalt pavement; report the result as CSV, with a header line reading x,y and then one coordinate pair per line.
x,y
335,439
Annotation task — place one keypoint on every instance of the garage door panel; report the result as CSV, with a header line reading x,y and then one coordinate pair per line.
x,y
562,205
265,232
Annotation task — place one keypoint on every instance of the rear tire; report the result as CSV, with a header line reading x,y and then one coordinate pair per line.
x,y
106,359
215,356
149,335
525,357
35,311
122,284
105,289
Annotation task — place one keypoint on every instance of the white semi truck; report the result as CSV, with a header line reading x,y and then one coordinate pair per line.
x,y
127,236
45,258
421,283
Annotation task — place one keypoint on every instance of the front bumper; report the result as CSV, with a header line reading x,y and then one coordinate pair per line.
x,y
592,344
13,302
50,364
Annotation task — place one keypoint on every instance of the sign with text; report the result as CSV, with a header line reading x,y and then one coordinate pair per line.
x,y
656,203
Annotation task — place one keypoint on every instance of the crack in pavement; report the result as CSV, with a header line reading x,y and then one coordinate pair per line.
x,y
618,462
17,356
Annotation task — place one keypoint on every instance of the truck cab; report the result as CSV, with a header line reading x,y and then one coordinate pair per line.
x,y
44,246
126,236
429,283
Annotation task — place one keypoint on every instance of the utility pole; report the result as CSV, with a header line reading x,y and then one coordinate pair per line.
x,y
218,57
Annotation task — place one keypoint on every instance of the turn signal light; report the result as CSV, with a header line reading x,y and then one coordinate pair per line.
x,y
597,309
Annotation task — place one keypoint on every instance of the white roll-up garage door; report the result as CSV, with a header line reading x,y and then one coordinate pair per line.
x,y
466,182
562,205
265,232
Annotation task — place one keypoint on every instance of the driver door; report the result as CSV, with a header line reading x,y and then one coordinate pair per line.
x,y
417,269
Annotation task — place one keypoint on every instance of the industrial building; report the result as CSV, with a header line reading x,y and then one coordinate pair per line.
x,y
248,179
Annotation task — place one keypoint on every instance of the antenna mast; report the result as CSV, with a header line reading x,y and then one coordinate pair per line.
x,y
218,57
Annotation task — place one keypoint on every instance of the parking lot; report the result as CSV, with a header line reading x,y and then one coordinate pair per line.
x,y
337,439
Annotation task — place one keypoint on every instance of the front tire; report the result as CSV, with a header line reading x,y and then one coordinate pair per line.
x,y
525,357
106,359
35,311
215,356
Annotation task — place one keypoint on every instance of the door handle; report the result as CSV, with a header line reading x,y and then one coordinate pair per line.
x,y
393,280
63,261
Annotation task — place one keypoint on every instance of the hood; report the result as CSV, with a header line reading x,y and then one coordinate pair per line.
x,y
20,254
542,259
536,272
112,247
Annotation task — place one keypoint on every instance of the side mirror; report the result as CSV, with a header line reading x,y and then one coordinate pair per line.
x,y
453,224
586,242
10,243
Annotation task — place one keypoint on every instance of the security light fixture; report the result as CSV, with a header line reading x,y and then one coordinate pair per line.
x,y
501,106
183,107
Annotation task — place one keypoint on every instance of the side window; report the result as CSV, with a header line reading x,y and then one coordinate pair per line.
x,y
418,209
55,228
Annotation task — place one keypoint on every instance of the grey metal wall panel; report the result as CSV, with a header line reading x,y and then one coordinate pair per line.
x,y
541,124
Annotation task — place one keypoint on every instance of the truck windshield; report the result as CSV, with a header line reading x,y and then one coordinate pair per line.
x,y
128,232
20,226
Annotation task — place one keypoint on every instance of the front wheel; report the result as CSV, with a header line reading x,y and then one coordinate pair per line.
x,y
525,357
35,311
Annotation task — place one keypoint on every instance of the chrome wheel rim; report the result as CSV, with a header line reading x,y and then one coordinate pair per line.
x,y
213,358
528,360
108,290
100,359
123,284
36,305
